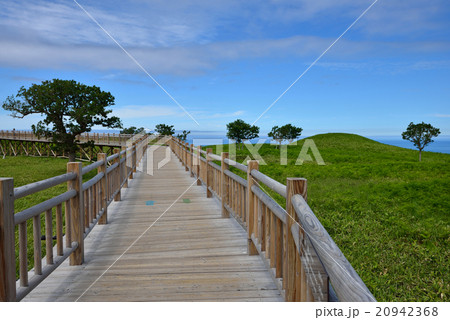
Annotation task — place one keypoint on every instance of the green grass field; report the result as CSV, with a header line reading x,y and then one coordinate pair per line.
x,y
387,212
26,170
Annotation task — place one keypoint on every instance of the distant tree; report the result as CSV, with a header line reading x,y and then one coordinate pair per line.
x,y
287,132
165,130
420,134
69,107
132,130
290,132
276,135
183,136
241,131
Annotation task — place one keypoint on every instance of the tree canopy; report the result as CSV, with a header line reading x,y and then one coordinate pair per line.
x,y
241,131
69,109
164,129
183,136
421,135
287,132
132,130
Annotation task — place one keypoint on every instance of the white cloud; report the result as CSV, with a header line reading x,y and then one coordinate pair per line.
x,y
439,115
188,38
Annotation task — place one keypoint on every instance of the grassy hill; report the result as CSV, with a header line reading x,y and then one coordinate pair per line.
x,y
387,212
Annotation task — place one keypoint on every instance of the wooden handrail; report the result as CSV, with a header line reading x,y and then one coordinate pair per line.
x,y
116,139
346,282
42,185
282,237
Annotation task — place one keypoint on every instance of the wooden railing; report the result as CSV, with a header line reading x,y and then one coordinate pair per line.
x,y
302,258
115,139
84,205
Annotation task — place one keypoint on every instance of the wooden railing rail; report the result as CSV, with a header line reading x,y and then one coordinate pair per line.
x,y
346,282
98,138
298,252
83,205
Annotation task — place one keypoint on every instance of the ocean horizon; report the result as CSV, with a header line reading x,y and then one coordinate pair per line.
x,y
441,144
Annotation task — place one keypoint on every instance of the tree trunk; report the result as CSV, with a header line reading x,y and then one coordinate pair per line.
x,y
71,157
420,155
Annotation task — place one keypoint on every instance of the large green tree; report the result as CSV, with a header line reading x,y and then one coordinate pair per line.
x,y
421,135
69,108
241,131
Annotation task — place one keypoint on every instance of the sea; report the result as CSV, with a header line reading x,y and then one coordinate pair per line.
x,y
203,138
441,144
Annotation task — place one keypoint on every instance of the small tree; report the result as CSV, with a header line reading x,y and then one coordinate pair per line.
x,y
69,107
420,134
241,131
132,130
165,130
183,136
276,135
290,132
287,132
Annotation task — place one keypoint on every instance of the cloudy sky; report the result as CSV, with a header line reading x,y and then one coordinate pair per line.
x,y
200,64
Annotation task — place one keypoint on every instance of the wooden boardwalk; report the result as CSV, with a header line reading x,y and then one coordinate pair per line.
x,y
165,241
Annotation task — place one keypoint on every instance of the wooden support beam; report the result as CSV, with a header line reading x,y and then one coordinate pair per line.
x,y
251,165
191,159
134,158
7,241
186,156
76,210
199,182
225,190
293,186
104,188
125,168
209,174
117,175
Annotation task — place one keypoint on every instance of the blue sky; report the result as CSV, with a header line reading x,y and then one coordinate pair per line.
x,y
223,60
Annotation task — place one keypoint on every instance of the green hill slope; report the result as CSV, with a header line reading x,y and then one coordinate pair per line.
x,y
387,212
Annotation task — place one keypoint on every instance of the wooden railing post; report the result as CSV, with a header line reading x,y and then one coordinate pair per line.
x,y
76,211
104,188
191,159
7,241
118,175
199,182
186,156
251,165
125,169
293,186
225,187
209,174
134,157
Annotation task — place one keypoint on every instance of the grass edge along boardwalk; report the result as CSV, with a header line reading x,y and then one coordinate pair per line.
x,y
190,253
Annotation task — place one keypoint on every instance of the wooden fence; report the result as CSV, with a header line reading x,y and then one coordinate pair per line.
x,y
115,139
304,261
75,212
